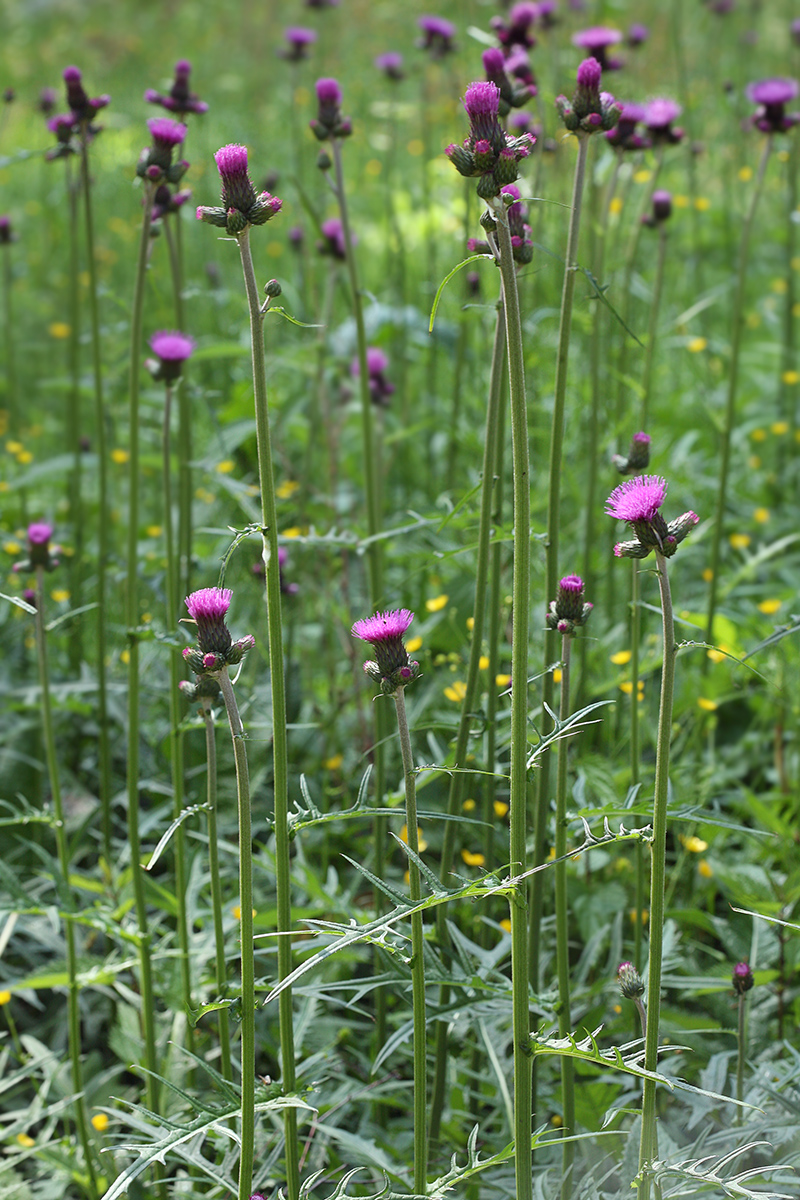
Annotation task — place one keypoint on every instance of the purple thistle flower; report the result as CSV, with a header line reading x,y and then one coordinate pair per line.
x,y
637,35
299,40
81,106
661,209
329,122
179,100
241,204
215,649
40,552
333,242
590,109
6,232
172,349
518,30
638,456
437,35
391,63
488,153
772,96
742,978
47,100
39,533
155,162
596,41
511,95
624,136
166,202
631,983
569,610
638,501
380,389
659,115
384,632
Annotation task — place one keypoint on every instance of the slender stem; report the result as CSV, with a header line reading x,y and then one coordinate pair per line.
x,y
638,853
104,524
12,399
519,708
733,380
741,1055
551,545
248,1026
658,848
175,738
132,622
175,248
658,286
562,932
73,1011
458,780
73,442
417,951
269,534
216,890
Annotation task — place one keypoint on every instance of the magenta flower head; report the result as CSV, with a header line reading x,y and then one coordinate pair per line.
x,y
518,29
298,41
661,209
6,232
333,242
155,162
384,632
590,110
391,63
329,122
488,154
513,94
47,100
380,389
83,109
215,648
166,202
772,96
40,552
742,978
569,610
624,136
241,204
171,349
437,36
179,100
637,458
597,42
637,35
638,501
631,983
659,115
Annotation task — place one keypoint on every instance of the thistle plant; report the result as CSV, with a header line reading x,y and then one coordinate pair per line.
x,y
566,614
637,502
742,980
492,156
771,97
393,671
631,985
209,659
243,207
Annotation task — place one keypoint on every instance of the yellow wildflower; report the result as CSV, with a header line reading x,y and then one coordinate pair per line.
x,y
615,208
437,603
5,998
25,1140
768,607
333,763
696,345
758,435
761,515
643,176
100,1122
119,456
59,594
473,858
693,844
707,574
790,377
470,623
293,532
469,805
506,924
745,174
456,692
740,541
483,662
286,489
557,673
500,808
413,644
702,204
779,428
704,868
421,843
59,330
621,658
502,681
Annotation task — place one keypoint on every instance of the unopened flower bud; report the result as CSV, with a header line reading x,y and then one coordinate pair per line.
x,y
631,983
742,978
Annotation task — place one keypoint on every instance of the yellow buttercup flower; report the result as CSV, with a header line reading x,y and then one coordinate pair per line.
x,y
696,345
473,859
286,489
506,924
704,868
456,692
483,662
740,541
500,808
693,844
758,435
59,330
745,174
237,912
5,998
557,674
12,547
761,515
413,644
333,763
502,681
225,467
59,594
779,428
707,574
100,1122
643,176
437,603
615,207
25,1140
790,377
621,658
293,532
706,704
469,805
768,607
24,457
702,204
680,201
119,456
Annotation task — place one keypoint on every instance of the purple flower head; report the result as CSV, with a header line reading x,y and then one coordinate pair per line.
x,y
47,100
518,67
437,36
171,349
637,35
742,978
772,96
659,115
380,389
638,501
624,136
155,162
40,552
521,243
384,632
518,29
83,108
299,39
329,122
662,205
241,204
590,109
166,201
65,127
6,232
488,153
391,63
208,608
333,242
569,610
596,41
512,94
180,99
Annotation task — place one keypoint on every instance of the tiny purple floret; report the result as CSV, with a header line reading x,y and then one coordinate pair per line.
x,y
637,499
297,35
436,26
170,133
661,112
383,626
596,38
172,346
642,438
571,583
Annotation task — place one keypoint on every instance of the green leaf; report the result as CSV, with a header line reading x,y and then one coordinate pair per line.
x,y
20,603
446,280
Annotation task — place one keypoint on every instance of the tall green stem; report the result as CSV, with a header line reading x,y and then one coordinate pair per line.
x,y
458,779
248,1026
220,966
175,248
269,533
638,851
741,1054
104,508
733,381
519,707
551,545
132,622
562,932
658,849
658,286
175,737
73,1011
417,952
73,442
